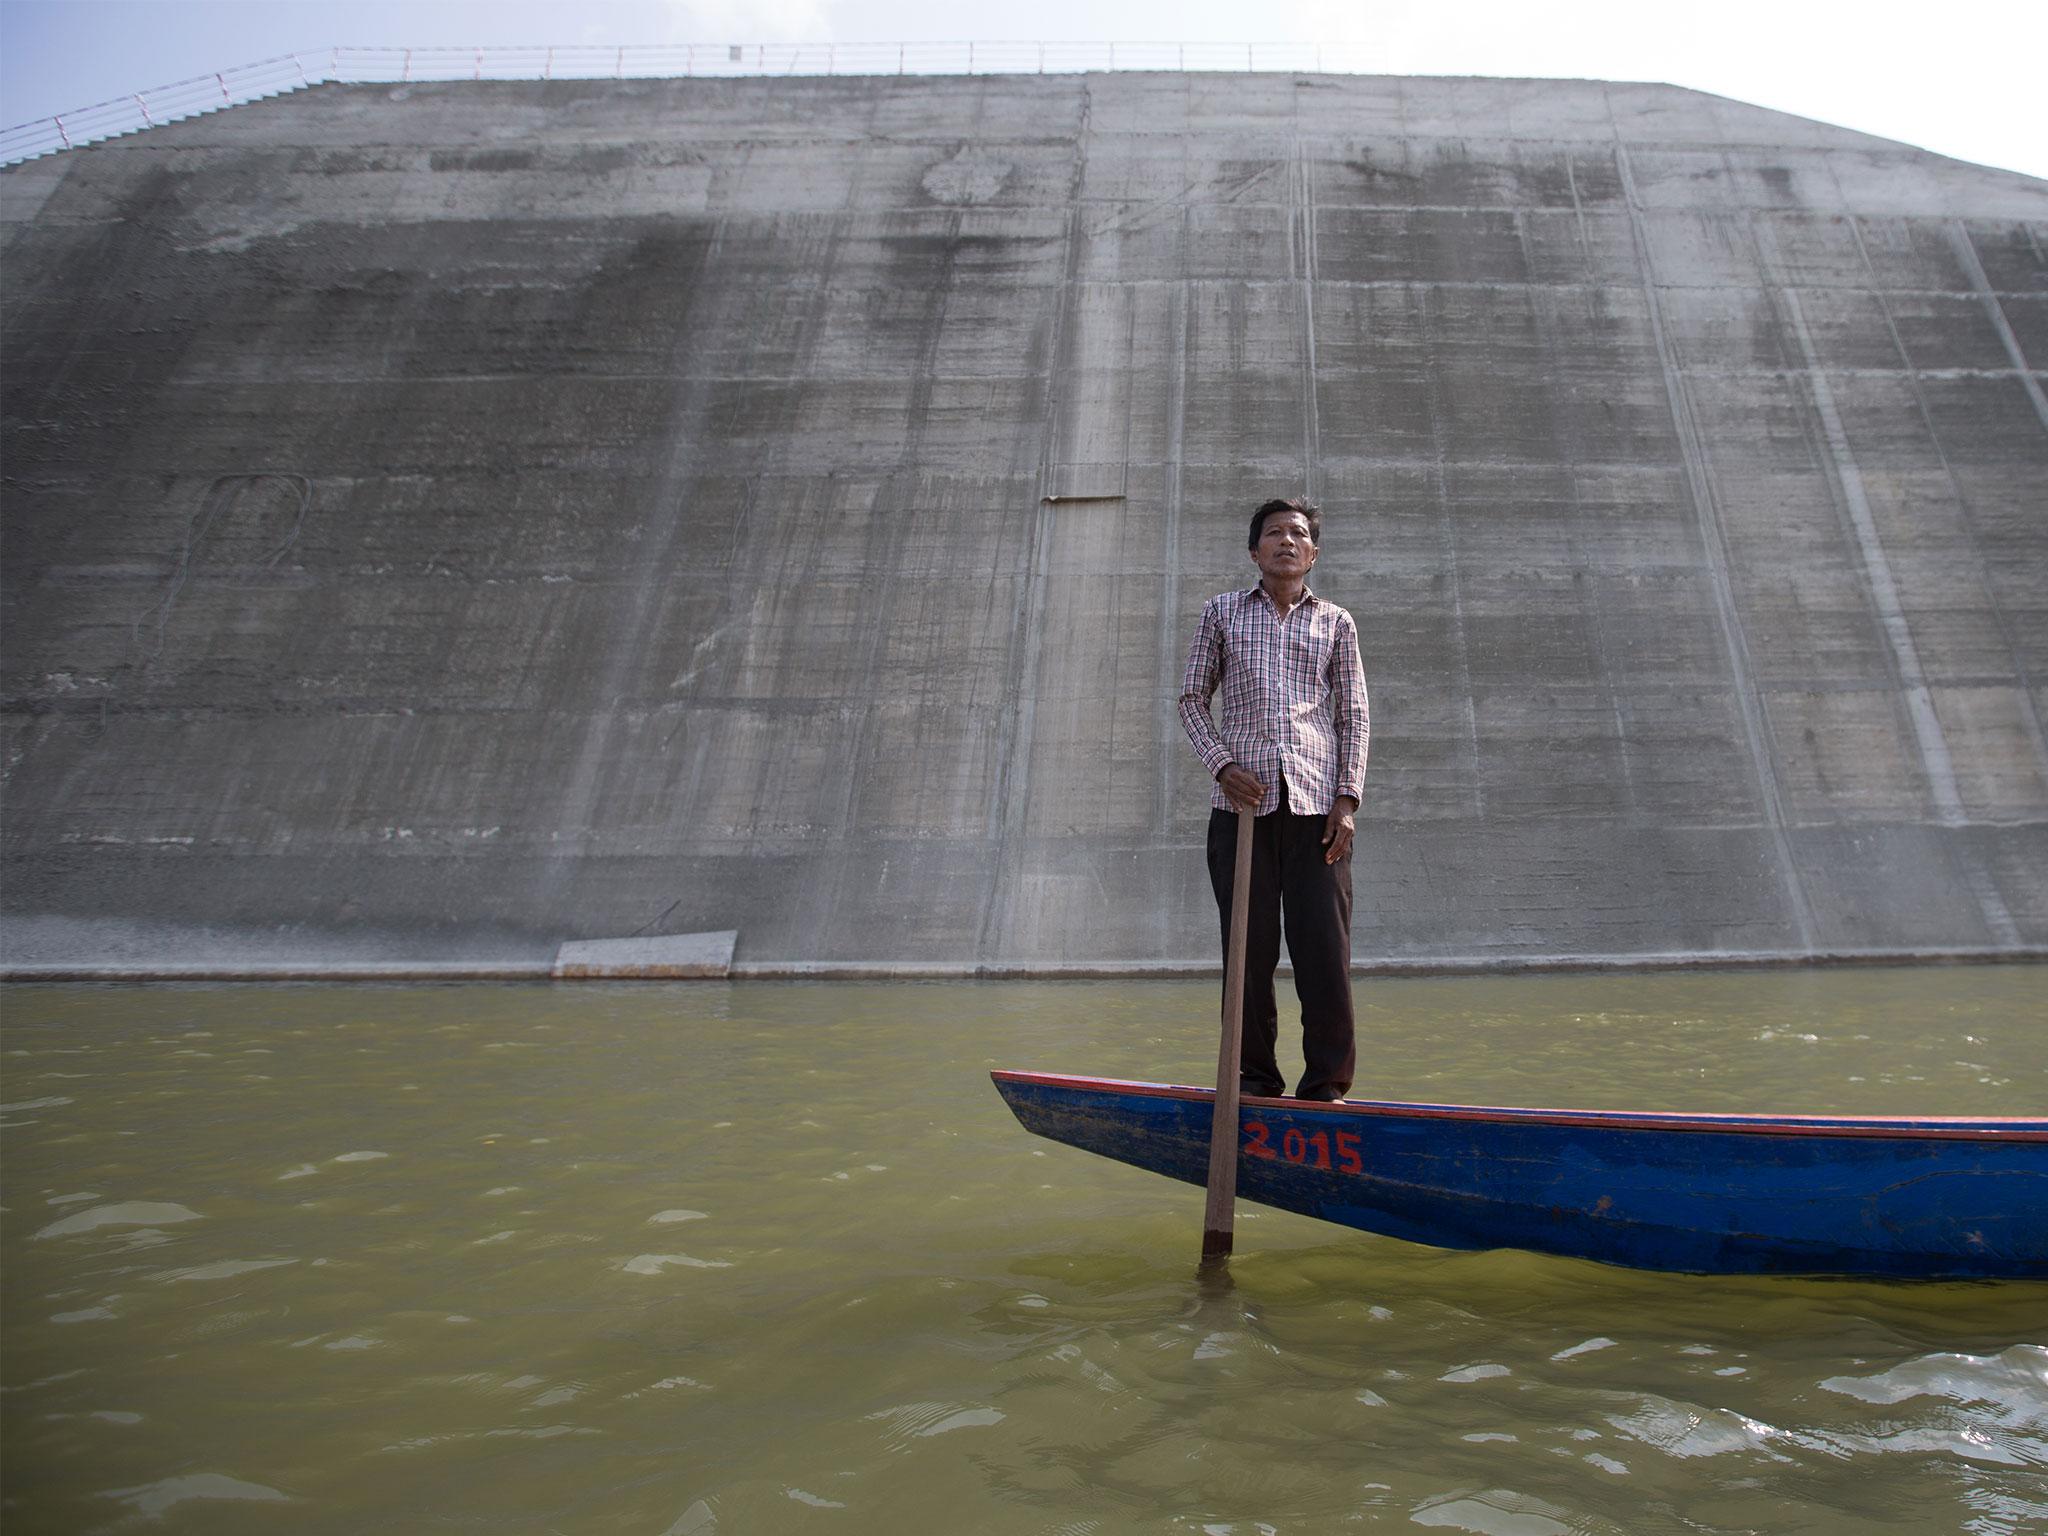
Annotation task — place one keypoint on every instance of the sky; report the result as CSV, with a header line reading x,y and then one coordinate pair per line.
x,y
1963,81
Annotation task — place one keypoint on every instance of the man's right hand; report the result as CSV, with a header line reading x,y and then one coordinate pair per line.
x,y
1240,788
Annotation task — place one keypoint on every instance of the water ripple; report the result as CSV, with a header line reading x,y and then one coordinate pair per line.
x,y
2014,1382
132,1213
151,1500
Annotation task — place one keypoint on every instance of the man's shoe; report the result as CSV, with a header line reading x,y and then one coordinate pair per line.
x,y
1261,1090
1323,1095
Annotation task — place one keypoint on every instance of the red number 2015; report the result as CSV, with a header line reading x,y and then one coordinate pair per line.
x,y
1312,1148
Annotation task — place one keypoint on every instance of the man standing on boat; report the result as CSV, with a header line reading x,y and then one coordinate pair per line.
x,y
1291,750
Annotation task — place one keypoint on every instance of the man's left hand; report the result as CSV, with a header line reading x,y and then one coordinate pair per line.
x,y
1338,829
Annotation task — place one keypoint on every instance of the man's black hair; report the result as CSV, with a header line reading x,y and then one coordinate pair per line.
x,y
1301,504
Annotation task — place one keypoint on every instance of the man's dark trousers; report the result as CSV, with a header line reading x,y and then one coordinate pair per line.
x,y
1288,874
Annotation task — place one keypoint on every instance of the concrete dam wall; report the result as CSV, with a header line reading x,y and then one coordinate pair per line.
x,y
446,521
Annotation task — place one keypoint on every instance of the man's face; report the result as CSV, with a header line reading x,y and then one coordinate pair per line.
x,y
1284,548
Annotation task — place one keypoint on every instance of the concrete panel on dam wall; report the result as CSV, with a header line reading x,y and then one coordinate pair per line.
x,y
448,521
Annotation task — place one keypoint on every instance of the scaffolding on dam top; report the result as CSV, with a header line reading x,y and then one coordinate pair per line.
x,y
404,66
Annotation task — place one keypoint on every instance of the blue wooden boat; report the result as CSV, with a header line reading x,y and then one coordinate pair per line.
x,y
1706,1194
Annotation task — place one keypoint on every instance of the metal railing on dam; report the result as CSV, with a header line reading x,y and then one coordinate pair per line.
x,y
243,83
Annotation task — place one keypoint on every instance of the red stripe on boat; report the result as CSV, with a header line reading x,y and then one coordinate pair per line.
x,y
1951,1128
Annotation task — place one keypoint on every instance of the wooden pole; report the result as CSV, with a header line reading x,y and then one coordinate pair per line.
x,y
1219,1221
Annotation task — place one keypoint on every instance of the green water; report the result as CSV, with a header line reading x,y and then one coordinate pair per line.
x,y
774,1258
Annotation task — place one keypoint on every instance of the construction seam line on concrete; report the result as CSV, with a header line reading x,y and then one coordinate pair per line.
x,y
449,522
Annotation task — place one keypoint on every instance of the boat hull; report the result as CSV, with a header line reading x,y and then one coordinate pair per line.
x,y
1710,1194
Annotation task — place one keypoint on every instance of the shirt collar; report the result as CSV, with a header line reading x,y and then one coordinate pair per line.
x,y
1258,589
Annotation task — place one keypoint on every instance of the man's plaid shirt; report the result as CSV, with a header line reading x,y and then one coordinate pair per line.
x,y
1294,699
